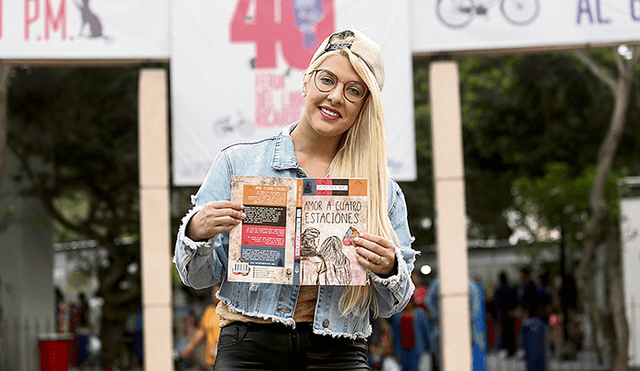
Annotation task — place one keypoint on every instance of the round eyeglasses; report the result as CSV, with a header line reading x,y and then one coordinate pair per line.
x,y
325,81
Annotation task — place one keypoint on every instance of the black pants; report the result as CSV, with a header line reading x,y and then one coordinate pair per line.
x,y
508,341
251,346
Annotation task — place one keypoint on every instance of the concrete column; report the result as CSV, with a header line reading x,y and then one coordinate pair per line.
x,y
448,163
155,222
26,277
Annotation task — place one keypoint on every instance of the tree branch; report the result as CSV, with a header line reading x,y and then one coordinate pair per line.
x,y
619,62
596,69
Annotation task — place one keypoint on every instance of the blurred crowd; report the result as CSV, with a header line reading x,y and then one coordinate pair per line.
x,y
521,318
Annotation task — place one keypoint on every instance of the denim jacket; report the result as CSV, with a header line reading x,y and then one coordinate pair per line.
x,y
203,264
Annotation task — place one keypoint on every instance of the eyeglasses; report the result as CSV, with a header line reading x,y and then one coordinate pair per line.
x,y
325,81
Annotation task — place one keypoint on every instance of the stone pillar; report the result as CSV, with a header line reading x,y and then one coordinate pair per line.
x,y
448,164
155,222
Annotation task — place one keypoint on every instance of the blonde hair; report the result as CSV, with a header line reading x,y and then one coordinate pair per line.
x,y
363,154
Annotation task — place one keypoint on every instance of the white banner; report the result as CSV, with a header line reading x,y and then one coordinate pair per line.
x,y
84,29
236,72
458,25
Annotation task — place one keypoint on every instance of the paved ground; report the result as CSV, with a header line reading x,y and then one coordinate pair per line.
x,y
585,361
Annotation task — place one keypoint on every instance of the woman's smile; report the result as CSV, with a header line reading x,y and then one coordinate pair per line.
x,y
331,113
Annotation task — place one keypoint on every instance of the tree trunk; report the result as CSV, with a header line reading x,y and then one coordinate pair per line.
x,y
602,345
620,324
597,201
117,302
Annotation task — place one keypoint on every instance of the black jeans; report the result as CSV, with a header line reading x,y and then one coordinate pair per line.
x,y
251,346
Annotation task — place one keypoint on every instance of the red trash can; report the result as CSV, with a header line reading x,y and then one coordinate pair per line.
x,y
54,351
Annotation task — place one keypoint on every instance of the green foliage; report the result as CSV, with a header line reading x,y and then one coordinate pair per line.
x,y
79,125
559,198
523,115
419,194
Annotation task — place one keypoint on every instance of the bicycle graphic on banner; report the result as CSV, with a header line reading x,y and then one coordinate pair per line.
x,y
459,13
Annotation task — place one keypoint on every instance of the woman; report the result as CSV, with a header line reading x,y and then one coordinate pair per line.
x,y
338,266
341,133
312,263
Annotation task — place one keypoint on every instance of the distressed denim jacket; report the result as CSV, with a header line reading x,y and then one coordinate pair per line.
x,y
203,264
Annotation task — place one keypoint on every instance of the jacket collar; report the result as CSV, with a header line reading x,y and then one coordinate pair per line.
x,y
284,154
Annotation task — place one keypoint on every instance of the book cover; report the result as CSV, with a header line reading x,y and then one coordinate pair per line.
x,y
298,231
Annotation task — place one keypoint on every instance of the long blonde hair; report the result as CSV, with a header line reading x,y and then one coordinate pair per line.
x,y
363,154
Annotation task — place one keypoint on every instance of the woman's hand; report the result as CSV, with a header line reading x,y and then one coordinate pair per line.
x,y
376,253
215,217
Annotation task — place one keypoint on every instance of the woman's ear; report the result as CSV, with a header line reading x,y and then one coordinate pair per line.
x,y
304,90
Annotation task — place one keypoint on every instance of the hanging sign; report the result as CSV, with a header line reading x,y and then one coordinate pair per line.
x,y
84,29
237,68
445,26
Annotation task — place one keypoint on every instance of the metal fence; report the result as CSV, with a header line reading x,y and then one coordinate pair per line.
x,y
20,351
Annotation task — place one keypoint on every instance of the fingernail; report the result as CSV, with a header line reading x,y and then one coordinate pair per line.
x,y
244,215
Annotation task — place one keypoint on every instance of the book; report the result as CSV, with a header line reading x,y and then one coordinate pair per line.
x,y
298,231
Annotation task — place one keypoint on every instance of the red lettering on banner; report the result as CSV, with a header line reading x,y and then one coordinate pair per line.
x,y
302,26
54,22
30,18
275,105
260,27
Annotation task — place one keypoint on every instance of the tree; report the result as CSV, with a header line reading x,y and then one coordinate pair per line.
x,y
601,220
81,123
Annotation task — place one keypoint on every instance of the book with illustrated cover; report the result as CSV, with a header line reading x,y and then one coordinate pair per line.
x,y
298,231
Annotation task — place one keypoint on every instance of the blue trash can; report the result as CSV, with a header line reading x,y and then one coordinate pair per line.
x,y
534,343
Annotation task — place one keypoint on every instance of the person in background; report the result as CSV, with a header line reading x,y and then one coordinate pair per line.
x,y
380,343
476,308
208,328
528,294
505,299
420,292
533,330
545,297
410,336
341,133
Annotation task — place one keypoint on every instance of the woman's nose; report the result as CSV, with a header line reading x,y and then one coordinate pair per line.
x,y
336,95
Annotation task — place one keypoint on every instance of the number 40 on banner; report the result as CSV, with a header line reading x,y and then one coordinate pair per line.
x,y
299,27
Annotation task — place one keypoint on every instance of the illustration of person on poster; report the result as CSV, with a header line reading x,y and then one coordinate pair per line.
x,y
338,268
312,262
307,13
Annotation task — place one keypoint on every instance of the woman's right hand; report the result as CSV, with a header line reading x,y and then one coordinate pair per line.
x,y
215,217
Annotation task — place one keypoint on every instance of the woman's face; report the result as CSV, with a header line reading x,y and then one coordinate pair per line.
x,y
330,114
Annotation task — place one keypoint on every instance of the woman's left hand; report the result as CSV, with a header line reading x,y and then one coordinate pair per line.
x,y
376,253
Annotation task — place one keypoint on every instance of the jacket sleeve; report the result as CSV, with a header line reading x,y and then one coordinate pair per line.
x,y
394,292
202,264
